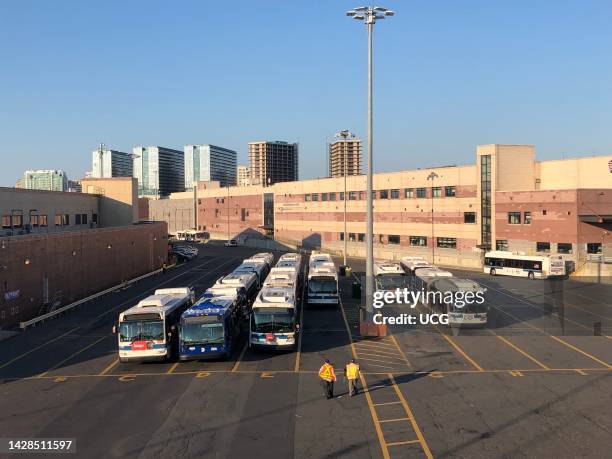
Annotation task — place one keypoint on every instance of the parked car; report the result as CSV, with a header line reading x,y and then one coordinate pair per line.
x,y
231,243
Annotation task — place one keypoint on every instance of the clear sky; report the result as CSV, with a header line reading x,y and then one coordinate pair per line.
x,y
448,75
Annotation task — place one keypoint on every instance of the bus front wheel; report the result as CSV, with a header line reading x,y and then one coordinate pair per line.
x,y
492,272
530,275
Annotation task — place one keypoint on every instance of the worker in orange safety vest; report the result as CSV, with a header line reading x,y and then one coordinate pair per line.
x,y
328,376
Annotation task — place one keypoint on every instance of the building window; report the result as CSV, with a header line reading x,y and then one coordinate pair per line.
x,y
543,212
352,196
514,218
6,221
381,239
384,194
42,220
84,219
243,214
543,247
351,237
594,248
323,196
564,247
342,236
306,197
421,193
332,196
77,219
362,195
34,221
341,198
469,217
315,196
393,239
361,237
58,220
527,218
436,192
449,191
65,220
485,200
409,193
418,241
17,221
94,218
394,194
447,242
501,244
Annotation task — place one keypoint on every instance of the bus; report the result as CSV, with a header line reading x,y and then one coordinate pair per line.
x,y
210,329
423,278
532,266
461,312
389,275
265,256
245,279
273,321
236,293
147,331
322,280
283,277
411,264
258,267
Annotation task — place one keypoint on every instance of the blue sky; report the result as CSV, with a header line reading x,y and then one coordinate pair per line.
x,y
448,75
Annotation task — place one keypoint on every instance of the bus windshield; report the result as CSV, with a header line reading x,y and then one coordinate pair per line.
x,y
391,281
141,330
272,320
202,332
322,285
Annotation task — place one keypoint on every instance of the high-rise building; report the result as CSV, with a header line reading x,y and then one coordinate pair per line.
x,y
107,163
19,183
243,174
159,170
209,162
273,162
74,186
48,179
342,150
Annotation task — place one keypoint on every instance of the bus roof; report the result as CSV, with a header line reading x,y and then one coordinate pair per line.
x,y
387,267
220,290
322,271
208,307
432,272
514,255
414,264
186,291
274,296
454,284
292,256
159,304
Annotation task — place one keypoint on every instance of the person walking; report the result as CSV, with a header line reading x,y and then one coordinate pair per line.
x,y
328,376
351,372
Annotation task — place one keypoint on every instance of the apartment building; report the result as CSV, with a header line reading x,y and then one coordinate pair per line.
x,y
345,157
273,162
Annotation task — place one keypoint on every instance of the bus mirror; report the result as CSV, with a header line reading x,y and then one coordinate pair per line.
x,y
114,329
297,326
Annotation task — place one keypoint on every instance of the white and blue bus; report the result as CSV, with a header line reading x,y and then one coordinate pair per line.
x,y
506,263
462,299
210,329
322,280
274,319
148,331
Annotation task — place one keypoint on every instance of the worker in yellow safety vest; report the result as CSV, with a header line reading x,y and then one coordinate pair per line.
x,y
328,376
351,371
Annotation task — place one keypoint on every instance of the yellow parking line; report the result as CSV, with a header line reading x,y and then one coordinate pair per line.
x,y
387,403
381,356
415,425
46,343
519,350
237,364
401,352
171,369
571,346
460,351
71,356
408,442
112,365
299,344
394,420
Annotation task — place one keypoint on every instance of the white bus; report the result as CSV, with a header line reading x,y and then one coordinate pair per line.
x,y
389,275
148,331
258,267
471,310
274,319
246,280
412,264
265,256
322,280
514,264
423,278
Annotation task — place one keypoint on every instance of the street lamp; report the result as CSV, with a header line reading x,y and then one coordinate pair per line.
x,y
431,177
369,15
345,134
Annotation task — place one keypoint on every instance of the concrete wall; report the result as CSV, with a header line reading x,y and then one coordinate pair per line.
x,y
72,265
177,213
592,172
118,199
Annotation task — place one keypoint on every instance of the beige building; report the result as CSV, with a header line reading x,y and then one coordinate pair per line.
x,y
272,162
345,157
243,175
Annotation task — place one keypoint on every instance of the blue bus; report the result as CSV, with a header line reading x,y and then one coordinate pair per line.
x,y
210,329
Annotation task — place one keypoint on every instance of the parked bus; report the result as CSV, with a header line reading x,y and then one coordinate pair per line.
x,y
461,312
148,331
265,256
210,329
274,319
412,264
322,280
389,275
258,267
532,266
245,279
237,294
423,278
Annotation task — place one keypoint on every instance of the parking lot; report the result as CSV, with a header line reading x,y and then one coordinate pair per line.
x,y
535,382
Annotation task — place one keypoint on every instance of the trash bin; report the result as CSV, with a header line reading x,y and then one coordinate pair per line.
x,y
356,290
342,270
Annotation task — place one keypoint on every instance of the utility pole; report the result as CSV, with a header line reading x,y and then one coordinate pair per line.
x,y
431,177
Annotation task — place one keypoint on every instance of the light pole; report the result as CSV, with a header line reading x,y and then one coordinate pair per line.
x,y
431,177
345,134
369,15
